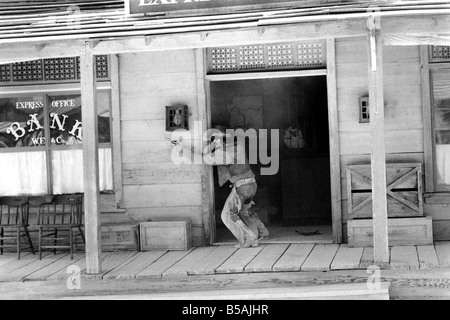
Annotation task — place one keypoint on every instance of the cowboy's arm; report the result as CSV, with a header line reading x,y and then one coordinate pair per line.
x,y
216,156
212,154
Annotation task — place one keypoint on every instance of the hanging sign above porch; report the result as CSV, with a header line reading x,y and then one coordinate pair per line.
x,y
149,6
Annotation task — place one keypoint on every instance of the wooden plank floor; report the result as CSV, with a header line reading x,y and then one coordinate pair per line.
x,y
443,253
320,258
136,264
347,258
367,258
404,258
7,257
112,262
293,258
211,262
266,259
157,268
185,264
51,269
13,265
239,260
81,264
222,260
21,273
427,257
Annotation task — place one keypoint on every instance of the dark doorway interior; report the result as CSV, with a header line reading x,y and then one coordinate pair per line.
x,y
296,201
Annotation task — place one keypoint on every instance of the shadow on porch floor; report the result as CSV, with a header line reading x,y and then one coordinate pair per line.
x,y
281,234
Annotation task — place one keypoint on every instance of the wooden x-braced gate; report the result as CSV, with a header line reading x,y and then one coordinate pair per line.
x,y
404,190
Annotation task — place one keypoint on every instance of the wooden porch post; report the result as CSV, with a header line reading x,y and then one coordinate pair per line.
x,y
90,161
333,123
377,146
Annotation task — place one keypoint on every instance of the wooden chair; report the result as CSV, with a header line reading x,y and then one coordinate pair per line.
x,y
58,222
14,220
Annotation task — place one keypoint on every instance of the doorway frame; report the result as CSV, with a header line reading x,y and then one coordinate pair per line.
x,y
333,124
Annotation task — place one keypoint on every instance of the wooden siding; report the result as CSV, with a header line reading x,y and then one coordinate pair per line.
x,y
403,110
404,121
154,187
150,81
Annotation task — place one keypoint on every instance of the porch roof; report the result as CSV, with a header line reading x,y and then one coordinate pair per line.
x,y
47,21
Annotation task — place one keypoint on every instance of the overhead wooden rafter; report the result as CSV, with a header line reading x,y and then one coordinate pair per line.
x,y
202,37
44,21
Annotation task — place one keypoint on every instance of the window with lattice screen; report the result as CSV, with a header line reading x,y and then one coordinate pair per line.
x,y
5,73
439,53
50,70
267,57
30,71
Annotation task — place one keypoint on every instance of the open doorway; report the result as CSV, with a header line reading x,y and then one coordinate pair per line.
x,y
294,203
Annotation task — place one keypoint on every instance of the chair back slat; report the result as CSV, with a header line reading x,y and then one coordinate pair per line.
x,y
63,211
68,199
14,210
14,201
64,214
36,201
8,221
14,214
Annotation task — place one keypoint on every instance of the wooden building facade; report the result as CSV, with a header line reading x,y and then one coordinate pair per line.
x,y
394,56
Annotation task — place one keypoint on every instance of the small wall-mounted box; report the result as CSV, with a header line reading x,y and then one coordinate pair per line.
x,y
165,235
364,111
177,117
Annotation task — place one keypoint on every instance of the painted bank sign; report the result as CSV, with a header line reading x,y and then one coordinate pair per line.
x,y
147,6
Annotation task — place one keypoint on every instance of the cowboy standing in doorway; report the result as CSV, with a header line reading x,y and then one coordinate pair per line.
x,y
230,156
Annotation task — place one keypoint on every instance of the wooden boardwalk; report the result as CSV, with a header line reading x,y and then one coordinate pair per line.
x,y
223,260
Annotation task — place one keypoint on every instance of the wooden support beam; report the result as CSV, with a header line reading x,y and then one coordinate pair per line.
x,y
266,75
333,122
427,124
377,145
40,50
230,37
158,39
211,191
90,161
208,216
116,129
